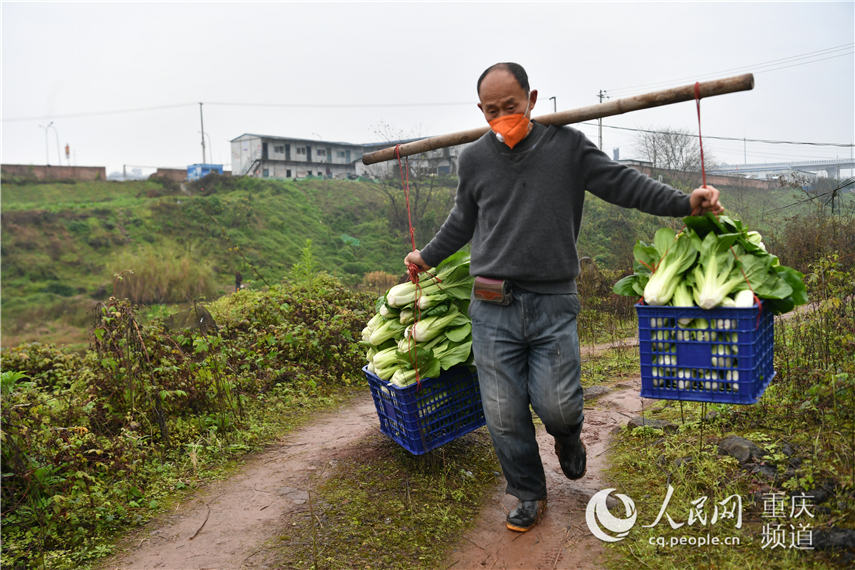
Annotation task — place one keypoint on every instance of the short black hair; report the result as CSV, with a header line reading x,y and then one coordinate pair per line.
x,y
514,69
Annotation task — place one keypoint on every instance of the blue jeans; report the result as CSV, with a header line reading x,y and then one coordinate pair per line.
x,y
527,353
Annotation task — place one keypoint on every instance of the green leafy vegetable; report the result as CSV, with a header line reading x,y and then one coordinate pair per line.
x,y
715,259
419,331
677,255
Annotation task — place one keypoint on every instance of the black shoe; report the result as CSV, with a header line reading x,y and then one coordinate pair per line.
x,y
572,456
526,515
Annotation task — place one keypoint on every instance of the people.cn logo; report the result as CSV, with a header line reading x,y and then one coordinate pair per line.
x,y
601,522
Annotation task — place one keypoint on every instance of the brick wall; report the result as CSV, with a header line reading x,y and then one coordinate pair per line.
x,y
47,172
176,174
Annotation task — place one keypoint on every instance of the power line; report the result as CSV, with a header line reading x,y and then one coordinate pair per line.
x,y
844,49
761,67
739,139
239,104
336,105
844,184
97,113
772,65
378,105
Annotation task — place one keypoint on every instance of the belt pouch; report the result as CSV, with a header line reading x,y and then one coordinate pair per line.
x,y
497,291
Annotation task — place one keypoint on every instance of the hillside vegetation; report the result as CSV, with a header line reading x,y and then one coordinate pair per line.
x,y
66,246
97,441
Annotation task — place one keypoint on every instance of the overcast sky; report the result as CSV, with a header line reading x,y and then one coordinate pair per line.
x,y
122,81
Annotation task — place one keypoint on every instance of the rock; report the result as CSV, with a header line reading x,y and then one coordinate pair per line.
x,y
759,496
822,493
680,461
793,460
639,421
742,449
712,416
763,469
834,539
594,392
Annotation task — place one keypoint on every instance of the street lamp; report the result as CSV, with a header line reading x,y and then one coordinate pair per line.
x,y
210,145
58,153
46,127
554,104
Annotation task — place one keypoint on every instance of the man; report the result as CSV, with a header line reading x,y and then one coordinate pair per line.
x,y
519,200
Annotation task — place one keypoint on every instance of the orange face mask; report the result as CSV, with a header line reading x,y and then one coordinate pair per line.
x,y
511,129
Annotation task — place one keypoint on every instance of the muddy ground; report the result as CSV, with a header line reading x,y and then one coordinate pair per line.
x,y
227,523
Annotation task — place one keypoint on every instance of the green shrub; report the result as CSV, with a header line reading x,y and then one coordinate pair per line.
x,y
60,289
94,442
158,275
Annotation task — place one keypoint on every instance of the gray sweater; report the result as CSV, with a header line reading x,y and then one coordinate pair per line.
x,y
522,208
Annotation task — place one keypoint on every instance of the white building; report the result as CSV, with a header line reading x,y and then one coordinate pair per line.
x,y
263,156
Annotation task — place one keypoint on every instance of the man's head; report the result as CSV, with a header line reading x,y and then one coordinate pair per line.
x,y
503,89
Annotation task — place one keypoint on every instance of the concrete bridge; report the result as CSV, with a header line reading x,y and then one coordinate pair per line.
x,y
832,168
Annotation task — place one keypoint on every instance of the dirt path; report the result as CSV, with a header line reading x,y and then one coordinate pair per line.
x,y
225,524
561,539
228,521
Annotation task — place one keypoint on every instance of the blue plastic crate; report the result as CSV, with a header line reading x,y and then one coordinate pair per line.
x,y
730,361
424,416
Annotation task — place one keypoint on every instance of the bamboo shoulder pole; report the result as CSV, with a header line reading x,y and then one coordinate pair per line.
x,y
618,106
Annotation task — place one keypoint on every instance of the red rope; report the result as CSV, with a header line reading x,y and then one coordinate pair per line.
x,y
704,177
700,141
412,268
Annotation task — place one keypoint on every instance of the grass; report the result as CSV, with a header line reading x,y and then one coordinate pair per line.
x,y
97,442
804,423
64,242
391,509
645,461
612,365
59,197
59,250
386,508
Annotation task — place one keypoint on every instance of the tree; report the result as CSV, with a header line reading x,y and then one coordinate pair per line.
x,y
431,195
671,149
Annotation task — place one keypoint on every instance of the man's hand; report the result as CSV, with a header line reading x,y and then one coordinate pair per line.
x,y
415,258
705,199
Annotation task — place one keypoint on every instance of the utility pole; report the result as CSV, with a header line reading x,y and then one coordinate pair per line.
x,y
602,95
202,122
